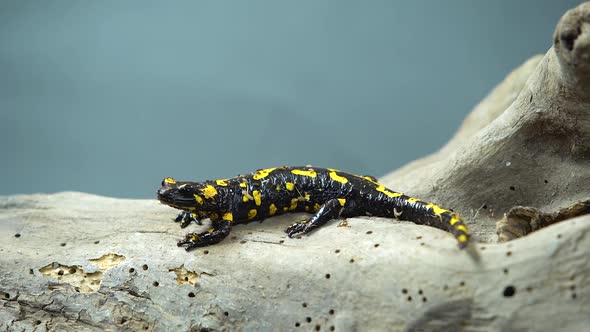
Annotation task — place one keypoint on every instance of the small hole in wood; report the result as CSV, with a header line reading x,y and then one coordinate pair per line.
x,y
512,188
156,284
144,267
509,291
191,294
308,319
17,235
131,270
369,232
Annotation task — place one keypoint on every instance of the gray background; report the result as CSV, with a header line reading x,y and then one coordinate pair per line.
x,y
109,97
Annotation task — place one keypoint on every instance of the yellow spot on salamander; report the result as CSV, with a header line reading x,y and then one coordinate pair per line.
x,y
290,186
307,196
222,183
369,178
252,213
387,192
305,172
306,208
211,230
262,173
198,198
245,198
257,197
228,216
272,209
209,191
293,204
412,200
454,219
461,228
338,178
243,184
194,238
342,201
316,206
169,180
214,216
286,208
437,210
462,238
278,188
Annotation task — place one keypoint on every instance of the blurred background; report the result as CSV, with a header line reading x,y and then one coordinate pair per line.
x,y
109,97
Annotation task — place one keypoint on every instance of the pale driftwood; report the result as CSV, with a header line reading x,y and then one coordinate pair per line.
x,y
535,153
72,261
373,275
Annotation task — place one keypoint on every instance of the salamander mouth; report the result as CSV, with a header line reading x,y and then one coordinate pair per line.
x,y
165,196
172,197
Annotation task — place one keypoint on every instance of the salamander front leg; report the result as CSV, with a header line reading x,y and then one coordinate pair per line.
x,y
220,230
186,217
330,210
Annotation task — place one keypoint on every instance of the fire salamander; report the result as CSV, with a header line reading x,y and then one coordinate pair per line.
x,y
327,193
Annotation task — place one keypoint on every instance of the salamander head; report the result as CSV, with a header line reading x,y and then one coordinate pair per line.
x,y
181,195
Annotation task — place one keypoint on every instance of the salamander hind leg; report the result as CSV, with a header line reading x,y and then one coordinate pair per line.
x,y
330,210
185,217
220,230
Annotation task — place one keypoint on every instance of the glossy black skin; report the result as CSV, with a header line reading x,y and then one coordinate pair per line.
x,y
321,194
